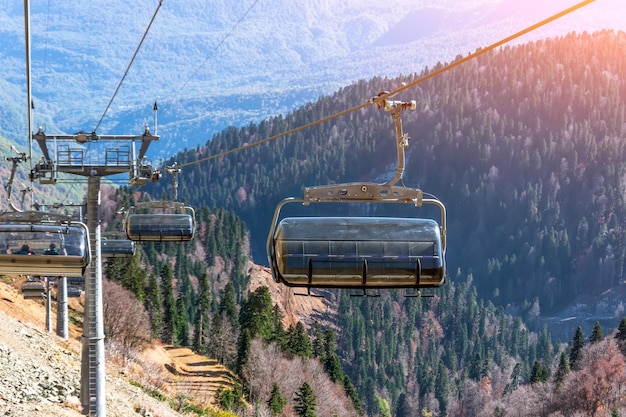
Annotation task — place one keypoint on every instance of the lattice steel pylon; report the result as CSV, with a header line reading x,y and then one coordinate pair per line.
x,y
89,155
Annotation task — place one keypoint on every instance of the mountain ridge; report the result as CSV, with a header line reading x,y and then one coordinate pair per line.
x,y
189,56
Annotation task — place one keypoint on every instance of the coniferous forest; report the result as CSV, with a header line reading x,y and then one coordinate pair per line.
x,y
525,147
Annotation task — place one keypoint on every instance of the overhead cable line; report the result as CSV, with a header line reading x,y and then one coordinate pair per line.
x,y
220,43
72,183
129,65
381,97
45,56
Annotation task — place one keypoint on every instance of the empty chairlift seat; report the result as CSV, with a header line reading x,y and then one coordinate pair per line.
x,y
76,281
117,248
358,252
73,291
33,288
161,222
42,248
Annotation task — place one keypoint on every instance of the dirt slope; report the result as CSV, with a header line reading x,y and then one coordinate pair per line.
x,y
295,307
196,376
31,356
24,339
174,370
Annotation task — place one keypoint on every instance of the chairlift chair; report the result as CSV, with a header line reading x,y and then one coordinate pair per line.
x,y
73,291
43,244
358,252
76,281
33,288
117,248
361,252
160,221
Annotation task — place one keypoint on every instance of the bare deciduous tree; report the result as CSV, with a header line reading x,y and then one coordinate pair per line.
x,y
267,364
125,318
599,385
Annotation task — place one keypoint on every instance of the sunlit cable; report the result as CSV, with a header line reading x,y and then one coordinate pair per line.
x,y
129,65
398,90
220,43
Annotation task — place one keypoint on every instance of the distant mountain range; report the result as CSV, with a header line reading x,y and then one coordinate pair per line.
x,y
211,65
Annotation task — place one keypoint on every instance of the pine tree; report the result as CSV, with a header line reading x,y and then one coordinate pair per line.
x,y
515,379
276,402
383,407
278,329
170,312
256,313
539,373
318,342
182,327
128,273
402,408
350,390
243,348
202,317
136,277
561,371
476,371
442,388
621,330
152,302
305,401
596,335
228,304
298,341
576,346
620,335
332,366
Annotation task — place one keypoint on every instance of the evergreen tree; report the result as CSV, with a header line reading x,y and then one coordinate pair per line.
x,y
136,277
621,330
332,366
402,408
128,273
596,334
210,249
318,342
442,388
331,361
515,379
350,390
298,341
202,317
562,370
620,336
576,347
152,302
383,407
170,311
278,329
256,314
228,304
182,328
276,402
243,348
305,401
539,373
476,371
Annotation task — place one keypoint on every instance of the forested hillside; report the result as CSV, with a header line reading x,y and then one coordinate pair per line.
x,y
524,146
364,356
